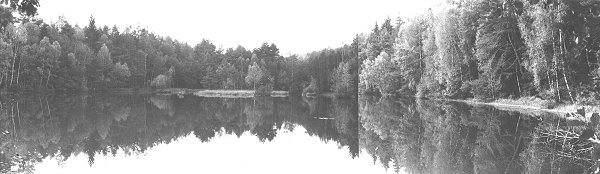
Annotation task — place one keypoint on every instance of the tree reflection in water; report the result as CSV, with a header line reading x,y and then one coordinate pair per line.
x,y
33,128
425,136
416,136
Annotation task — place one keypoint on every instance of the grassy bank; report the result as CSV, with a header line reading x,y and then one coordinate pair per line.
x,y
217,93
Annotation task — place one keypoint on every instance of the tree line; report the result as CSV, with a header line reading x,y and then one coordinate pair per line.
x,y
59,56
36,55
488,49
331,70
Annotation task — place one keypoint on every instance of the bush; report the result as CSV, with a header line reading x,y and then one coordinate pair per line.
x,y
263,90
548,94
465,90
312,88
483,89
296,88
429,87
161,81
588,96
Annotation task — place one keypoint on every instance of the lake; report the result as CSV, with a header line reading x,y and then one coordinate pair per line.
x,y
188,134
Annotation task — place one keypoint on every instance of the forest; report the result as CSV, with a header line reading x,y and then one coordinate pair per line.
x,y
40,56
487,49
463,49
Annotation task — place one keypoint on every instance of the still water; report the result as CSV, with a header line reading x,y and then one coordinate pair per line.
x,y
170,134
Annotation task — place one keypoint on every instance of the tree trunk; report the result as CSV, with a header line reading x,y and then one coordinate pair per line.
x,y
567,84
14,61
48,108
555,59
48,78
41,79
517,71
549,79
84,79
84,84
18,72
420,60
556,78
41,107
493,87
12,113
563,51
587,59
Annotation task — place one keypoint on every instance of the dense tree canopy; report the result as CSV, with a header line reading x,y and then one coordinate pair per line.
x,y
62,57
489,49
27,7
59,56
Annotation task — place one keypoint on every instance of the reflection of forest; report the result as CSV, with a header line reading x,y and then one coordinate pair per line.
x,y
426,136
35,127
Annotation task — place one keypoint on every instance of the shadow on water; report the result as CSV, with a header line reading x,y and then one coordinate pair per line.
x,y
33,128
427,136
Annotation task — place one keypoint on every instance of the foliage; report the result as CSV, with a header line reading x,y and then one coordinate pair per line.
x,y
96,57
380,75
312,88
27,7
341,80
160,81
228,75
163,80
59,56
320,65
120,74
263,90
488,49
409,52
255,75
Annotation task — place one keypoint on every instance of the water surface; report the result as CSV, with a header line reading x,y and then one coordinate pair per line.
x,y
166,134
447,137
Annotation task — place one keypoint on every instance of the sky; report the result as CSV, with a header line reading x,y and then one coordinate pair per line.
x,y
296,27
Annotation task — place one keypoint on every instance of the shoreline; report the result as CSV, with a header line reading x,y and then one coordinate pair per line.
x,y
217,93
505,106
513,105
525,105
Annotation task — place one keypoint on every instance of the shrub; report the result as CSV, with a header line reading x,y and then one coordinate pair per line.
x,y
548,94
263,90
161,81
588,96
312,88
483,89
465,90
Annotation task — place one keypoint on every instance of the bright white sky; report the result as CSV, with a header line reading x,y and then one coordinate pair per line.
x,y
296,27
